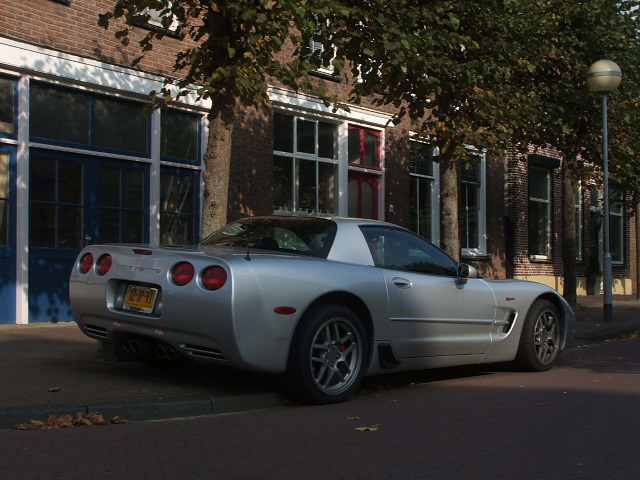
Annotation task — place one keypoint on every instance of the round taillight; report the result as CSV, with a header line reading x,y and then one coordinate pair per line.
x,y
182,273
86,262
104,264
214,278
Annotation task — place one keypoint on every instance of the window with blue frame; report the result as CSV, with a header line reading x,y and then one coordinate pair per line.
x,y
180,137
65,116
56,203
178,206
7,106
4,199
121,204
179,144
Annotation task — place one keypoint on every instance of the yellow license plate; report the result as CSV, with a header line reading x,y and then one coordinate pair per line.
x,y
140,299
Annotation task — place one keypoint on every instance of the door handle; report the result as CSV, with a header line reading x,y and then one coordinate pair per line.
x,y
401,282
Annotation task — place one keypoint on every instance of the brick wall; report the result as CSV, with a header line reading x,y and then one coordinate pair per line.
x,y
73,29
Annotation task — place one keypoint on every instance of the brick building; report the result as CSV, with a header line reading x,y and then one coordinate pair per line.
x,y
83,161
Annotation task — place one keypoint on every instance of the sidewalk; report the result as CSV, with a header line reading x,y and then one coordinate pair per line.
x,y
55,368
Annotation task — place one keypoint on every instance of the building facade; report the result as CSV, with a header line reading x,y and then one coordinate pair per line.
x,y
84,160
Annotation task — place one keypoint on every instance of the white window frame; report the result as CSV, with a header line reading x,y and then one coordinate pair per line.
x,y
546,201
481,250
155,19
308,106
617,212
296,157
578,217
434,183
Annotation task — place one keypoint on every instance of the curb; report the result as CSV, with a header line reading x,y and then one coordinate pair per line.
x,y
148,409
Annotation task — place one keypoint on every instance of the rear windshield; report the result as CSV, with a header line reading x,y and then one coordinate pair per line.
x,y
303,235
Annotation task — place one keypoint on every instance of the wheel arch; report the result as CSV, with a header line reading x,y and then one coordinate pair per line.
x,y
349,300
561,306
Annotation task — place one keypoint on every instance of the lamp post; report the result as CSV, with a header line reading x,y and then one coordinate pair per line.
x,y
604,77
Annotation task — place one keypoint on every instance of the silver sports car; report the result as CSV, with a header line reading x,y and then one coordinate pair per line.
x,y
323,301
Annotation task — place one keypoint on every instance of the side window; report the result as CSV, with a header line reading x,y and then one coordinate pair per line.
x,y
401,250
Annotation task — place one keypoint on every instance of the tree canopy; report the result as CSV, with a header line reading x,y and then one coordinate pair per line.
x,y
487,73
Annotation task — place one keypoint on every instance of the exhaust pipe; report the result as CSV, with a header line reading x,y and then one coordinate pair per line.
x,y
161,352
136,347
170,354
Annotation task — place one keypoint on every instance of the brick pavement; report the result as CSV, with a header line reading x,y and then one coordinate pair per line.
x,y
54,368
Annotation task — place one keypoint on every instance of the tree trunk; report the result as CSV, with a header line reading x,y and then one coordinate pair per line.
x,y
217,163
450,231
569,229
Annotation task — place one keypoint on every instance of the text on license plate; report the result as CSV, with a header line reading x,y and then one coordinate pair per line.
x,y
140,299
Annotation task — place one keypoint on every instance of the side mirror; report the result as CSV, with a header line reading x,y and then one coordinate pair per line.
x,y
465,272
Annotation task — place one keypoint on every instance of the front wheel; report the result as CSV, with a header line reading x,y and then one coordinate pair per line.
x,y
540,340
328,355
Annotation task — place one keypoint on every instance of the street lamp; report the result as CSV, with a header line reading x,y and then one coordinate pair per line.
x,y
604,77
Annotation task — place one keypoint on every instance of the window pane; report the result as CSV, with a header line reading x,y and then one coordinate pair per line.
x,y
421,158
176,193
283,132
539,183
120,125
179,135
354,195
109,225
367,195
615,237
70,226
471,170
355,146
109,187
4,221
58,114
6,105
69,182
4,198
4,175
420,208
177,208
469,214
168,229
370,149
307,185
133,188
132,226
42,221
306,136
282,183
399,250
327,178
42,183
327,133
539,229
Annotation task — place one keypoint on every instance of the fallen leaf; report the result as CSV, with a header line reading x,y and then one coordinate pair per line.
x,y
353,418
62,421
368,429
66,420
55,389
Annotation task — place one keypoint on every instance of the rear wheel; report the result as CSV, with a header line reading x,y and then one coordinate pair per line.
x,y
540,339
328,355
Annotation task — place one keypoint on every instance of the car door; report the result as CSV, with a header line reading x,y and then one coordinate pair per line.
x,y
431,311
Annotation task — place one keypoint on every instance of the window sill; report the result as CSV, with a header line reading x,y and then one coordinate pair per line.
x,y
540,259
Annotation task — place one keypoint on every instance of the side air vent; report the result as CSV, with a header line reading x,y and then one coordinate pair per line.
x,y
203,352
95,331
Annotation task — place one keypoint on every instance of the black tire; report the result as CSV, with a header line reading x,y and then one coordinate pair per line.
x,y
541,337
328,355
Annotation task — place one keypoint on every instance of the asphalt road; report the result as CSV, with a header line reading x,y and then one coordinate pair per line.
x,y
580,421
